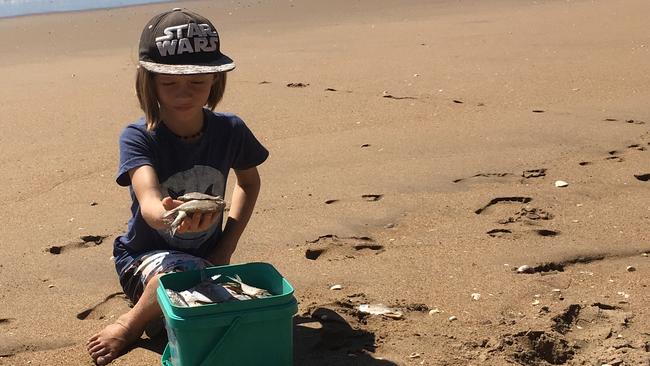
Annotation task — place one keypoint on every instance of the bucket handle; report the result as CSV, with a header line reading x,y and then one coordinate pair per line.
x,y
216,348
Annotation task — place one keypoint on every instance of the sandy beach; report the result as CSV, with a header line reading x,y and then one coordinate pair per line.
x,y
414,164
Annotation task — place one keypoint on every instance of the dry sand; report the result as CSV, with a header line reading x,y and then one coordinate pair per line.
x,y
432,111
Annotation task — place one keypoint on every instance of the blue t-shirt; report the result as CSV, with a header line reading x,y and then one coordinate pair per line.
x,y
181,167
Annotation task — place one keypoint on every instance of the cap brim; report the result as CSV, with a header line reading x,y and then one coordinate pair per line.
x,y
225,64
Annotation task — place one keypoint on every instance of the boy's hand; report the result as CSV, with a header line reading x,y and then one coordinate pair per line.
x,y
194,223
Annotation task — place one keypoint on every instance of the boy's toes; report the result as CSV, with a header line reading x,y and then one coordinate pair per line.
x,y
100,353
97,350
104,360
109,343
92,339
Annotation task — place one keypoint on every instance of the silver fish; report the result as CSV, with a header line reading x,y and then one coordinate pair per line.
x,y
210,292
176,299
205,296
194,202
206,292
250,290
192,196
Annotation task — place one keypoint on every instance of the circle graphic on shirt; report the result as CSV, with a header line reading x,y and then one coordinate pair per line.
x,y
200,178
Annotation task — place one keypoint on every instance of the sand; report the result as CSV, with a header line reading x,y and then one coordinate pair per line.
x,y
415,129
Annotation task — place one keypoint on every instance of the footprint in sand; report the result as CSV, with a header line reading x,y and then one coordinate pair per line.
x,y
596,321
617,159
544,232
390,96
596,327
637,147
484,175
616,155
635,122
86,242
366,197
529,173
499,233
372,197
536,347
642,177
336,90
7,350
629,121
527,214
560,265
332,247
114,304
534,173
497,200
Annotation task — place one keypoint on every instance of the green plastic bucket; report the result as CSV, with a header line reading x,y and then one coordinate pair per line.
x,y
249,332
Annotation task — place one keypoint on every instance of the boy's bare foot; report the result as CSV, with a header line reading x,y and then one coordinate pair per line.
x,y
111,342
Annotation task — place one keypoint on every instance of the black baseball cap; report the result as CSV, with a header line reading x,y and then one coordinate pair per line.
x,y
182,42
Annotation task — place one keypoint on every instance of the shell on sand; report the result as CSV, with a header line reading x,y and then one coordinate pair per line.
x,y
561,183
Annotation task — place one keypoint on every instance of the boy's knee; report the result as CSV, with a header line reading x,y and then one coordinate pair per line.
x,y
153,282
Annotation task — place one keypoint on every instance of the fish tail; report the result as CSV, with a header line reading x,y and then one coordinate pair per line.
x,y
177,222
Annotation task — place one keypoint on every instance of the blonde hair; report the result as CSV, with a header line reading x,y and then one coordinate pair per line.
x,y
146,92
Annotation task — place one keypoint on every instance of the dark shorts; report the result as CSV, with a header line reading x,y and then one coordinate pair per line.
x,y
135,278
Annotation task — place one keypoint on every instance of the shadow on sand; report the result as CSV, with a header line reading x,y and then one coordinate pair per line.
x,y
156,344
325,338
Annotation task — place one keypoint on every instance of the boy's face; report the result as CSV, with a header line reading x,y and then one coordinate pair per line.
x,y
183,94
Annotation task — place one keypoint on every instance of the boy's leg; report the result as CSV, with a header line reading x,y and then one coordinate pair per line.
x,y
108,344
141,277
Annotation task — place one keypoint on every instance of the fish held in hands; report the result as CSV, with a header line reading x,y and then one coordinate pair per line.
x,y
192,203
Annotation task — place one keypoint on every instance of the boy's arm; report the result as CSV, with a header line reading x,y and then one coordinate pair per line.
x,y
241,208
147,189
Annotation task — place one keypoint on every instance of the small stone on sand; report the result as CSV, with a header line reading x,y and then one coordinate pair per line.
x,y
525,269
561,183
